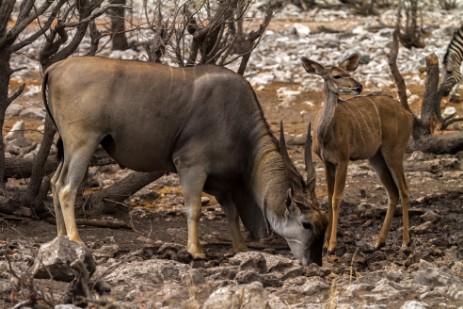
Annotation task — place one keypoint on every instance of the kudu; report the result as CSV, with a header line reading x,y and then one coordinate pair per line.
x,y
373,127
204,123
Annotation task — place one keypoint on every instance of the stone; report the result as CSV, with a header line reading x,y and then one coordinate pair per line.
x,y
33,112
247,276
414,304
17,130
221,272
254,262
151,271
386,289
106,251
301,30
66,306
247,296
14,109
422,228
54,260
306,285
430,216
457,269
430,275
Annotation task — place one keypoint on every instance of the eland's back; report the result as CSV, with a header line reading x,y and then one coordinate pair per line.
x,y
143,113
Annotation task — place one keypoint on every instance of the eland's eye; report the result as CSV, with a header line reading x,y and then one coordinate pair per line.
x,y
307,225
337,76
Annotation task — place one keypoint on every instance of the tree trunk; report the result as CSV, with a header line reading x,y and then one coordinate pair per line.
x,y
40,168
441,144
5,73
430,110
104,201
118,26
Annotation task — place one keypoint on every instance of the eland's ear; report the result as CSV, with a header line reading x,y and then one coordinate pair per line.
x,y
311,66
291,207
310,168
350,63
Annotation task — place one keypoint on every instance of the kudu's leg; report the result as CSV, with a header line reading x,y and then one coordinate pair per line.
x,y
192,180
385,176
395,165
231,213
339,184
330,173
60,227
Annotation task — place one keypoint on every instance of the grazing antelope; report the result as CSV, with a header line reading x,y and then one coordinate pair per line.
x,y
204,123
373,127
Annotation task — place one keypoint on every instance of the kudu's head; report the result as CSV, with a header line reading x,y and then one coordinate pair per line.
x,y
304,224
337,78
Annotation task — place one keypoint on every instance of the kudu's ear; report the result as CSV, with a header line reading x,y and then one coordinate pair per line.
x,y
350,63
309,167
311,66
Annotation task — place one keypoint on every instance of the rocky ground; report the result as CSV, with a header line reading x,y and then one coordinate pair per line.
x,y
145,265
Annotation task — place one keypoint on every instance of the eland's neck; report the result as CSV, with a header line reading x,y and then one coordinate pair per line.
x,y
269,182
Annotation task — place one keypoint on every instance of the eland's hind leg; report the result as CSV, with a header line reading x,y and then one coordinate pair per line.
x,y
60,227
72,173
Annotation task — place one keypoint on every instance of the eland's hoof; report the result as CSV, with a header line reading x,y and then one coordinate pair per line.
x,y
196,253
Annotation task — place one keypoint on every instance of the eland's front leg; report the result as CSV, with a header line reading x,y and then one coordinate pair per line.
x,y
192,181
229,208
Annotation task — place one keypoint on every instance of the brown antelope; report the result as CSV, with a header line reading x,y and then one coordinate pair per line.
x,y
373,127
204,123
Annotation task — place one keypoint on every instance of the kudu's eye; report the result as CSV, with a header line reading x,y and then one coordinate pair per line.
x,y
337,76
307,225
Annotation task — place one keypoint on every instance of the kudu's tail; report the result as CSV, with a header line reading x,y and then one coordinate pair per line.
x,y
59,143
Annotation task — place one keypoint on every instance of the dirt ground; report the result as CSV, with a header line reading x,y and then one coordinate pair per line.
x,y
158,213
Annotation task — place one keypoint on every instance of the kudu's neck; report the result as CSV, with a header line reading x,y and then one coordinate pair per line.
x,y
325,125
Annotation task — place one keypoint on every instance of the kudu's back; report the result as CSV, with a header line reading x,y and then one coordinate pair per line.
x,y
365,124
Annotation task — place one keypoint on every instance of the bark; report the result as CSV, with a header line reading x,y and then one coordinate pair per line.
x,y
20,168
5,73
119,40
430,110
41,166
441,144
105,200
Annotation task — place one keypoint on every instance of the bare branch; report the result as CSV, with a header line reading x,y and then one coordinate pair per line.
x,y
42,29
398,78
16,94
22,24
24,10
5,11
